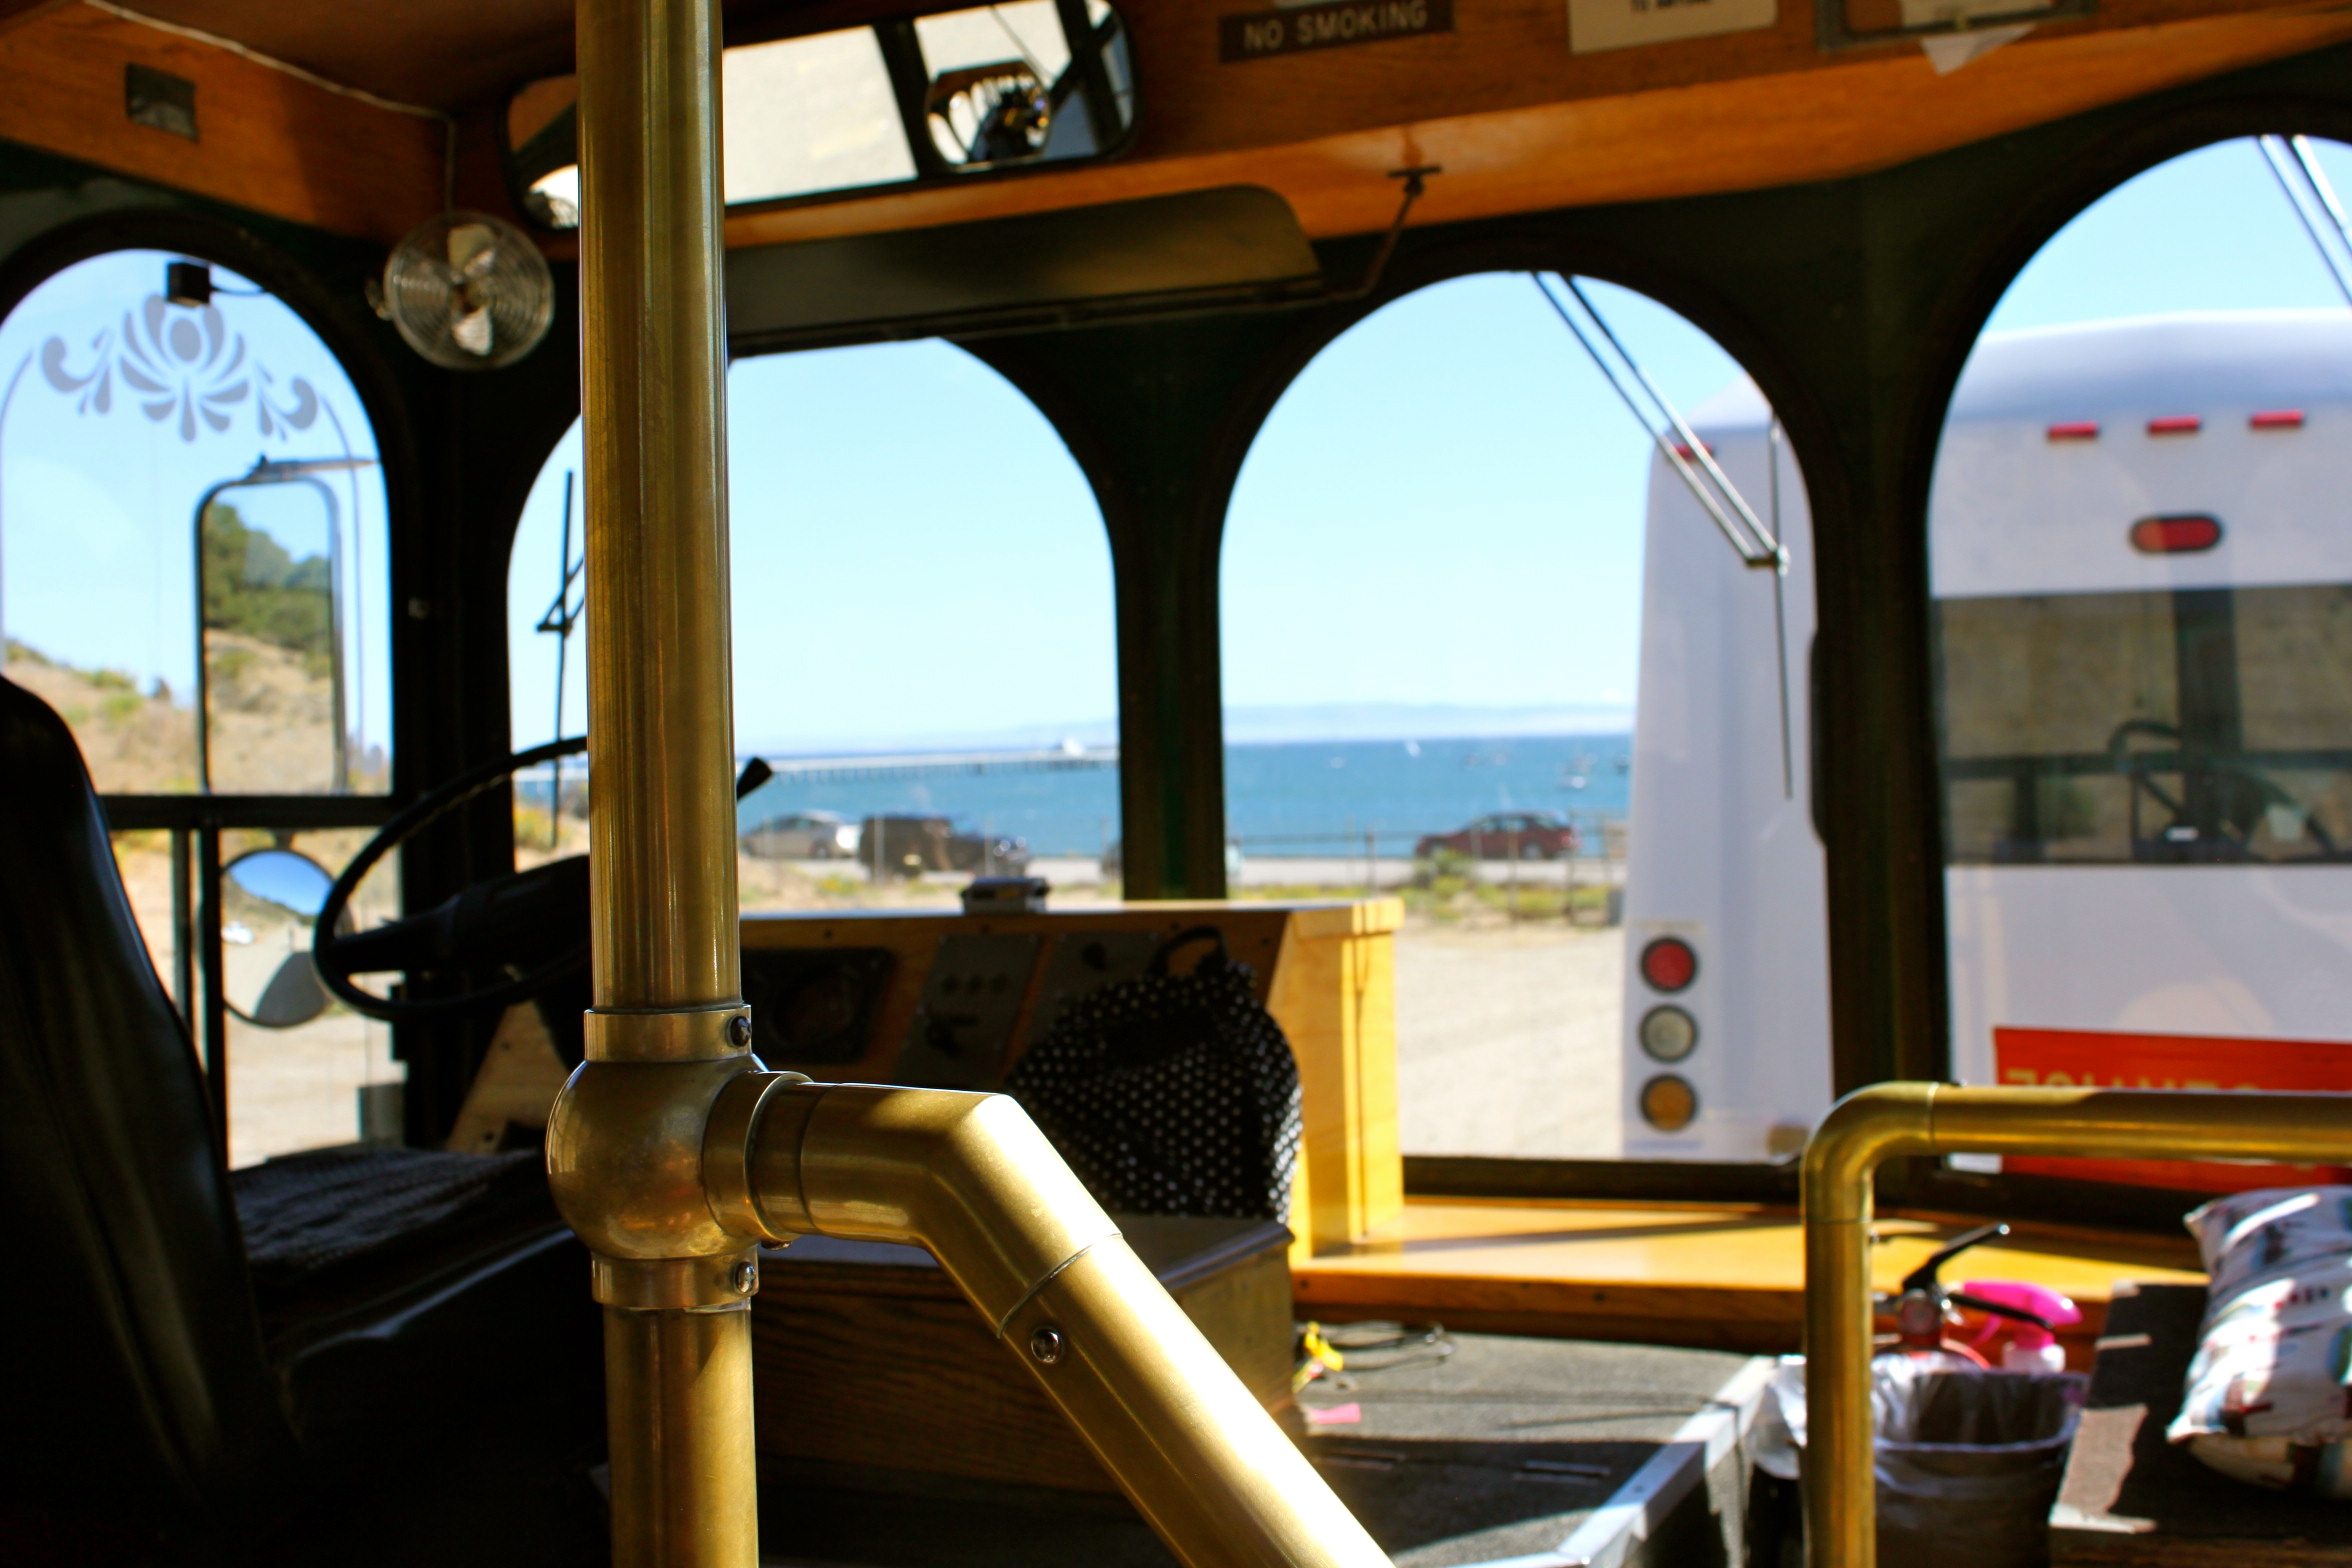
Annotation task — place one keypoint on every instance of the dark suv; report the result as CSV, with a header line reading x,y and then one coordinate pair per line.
x,y
910,846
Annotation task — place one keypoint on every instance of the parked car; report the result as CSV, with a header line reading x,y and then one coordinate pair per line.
x,y
1500,835
910,846
802,835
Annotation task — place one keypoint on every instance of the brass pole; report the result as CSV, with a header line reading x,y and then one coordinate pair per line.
x,y
669,1027
970,1177
661,738
1887,1120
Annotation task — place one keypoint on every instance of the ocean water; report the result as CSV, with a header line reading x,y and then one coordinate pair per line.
x,y
1311,798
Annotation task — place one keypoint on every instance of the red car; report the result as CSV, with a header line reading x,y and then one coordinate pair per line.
x,y
1503,835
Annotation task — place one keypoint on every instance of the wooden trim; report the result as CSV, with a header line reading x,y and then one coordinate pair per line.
x,y
1727,1276
1637,139
266,141
15,13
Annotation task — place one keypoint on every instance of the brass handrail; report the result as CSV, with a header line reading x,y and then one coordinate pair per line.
x,y
767,1156
1887,1120
970,1177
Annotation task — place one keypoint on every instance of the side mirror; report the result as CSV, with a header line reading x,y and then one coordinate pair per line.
x,y
270,900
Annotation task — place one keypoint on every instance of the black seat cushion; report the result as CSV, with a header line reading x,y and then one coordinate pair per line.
x,y
393,1284
328,1212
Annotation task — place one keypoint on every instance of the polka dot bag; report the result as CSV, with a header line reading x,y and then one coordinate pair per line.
x,y
1171,1094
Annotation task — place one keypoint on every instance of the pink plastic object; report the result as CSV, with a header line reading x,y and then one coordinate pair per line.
x,y
2005,1342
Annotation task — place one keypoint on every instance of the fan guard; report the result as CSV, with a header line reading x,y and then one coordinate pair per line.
x,y
469,291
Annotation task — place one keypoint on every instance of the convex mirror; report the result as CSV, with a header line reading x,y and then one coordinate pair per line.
x,y
270,900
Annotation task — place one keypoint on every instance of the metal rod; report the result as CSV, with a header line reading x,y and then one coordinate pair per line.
x,y
183,917
1788,763
561,614
1748,550
668,1027
1699,452
2316,177
970,1177
215,1029
2282,168
1879,1123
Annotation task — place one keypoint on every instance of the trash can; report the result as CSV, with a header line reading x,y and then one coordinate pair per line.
x,y
1968,1462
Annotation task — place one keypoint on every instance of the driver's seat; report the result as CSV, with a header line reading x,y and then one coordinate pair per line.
x,y
430,1387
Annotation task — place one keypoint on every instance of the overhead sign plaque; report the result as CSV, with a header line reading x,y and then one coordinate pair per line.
x,y
1255,35
1594,25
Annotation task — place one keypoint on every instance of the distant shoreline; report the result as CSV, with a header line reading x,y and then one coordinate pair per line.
x,y
1336,724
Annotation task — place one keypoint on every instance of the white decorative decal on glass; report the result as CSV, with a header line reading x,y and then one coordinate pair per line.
x,y
184,362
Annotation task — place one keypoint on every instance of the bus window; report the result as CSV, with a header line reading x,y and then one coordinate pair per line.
x,y
2116,728
2143,622
1484,652
923,651
209,622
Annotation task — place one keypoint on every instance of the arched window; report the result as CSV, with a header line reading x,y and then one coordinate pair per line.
x,y
922,634
2141,551
123,414
194,573
1485,649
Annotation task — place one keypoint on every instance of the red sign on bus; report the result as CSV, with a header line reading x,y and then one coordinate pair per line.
x,y
2081,1058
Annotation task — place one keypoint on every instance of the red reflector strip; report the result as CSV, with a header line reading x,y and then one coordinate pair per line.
x,y
2076,430
2277,419
2175,535
1683,451
2175,425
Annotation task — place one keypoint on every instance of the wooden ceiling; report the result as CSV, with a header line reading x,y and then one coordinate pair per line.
x,y
1517,118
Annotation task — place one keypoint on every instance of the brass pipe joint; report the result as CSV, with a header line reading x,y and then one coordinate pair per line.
x,y
625,1159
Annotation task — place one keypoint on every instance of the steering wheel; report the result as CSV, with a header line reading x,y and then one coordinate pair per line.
x,y
533,924
2247,794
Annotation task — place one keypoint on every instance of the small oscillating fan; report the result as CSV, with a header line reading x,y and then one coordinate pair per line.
x,y
468,291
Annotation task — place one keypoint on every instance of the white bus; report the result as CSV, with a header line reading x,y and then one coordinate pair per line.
x,y
2141,551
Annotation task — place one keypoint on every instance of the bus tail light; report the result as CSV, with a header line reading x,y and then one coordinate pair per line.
x,y
2075,430
1669,1103
1668,1033
2185,535
2175,425
2276,419
1668,964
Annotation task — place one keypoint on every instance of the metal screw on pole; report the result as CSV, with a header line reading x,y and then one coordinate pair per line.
x,y
745,1277
739,1031
1047,1345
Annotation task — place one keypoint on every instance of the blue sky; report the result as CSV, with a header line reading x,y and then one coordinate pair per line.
x,y
1445,508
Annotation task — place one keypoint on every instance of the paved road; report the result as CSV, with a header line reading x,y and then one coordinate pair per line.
x,y
1508,1041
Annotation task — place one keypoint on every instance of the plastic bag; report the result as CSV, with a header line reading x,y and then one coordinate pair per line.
x,y
1968,1463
